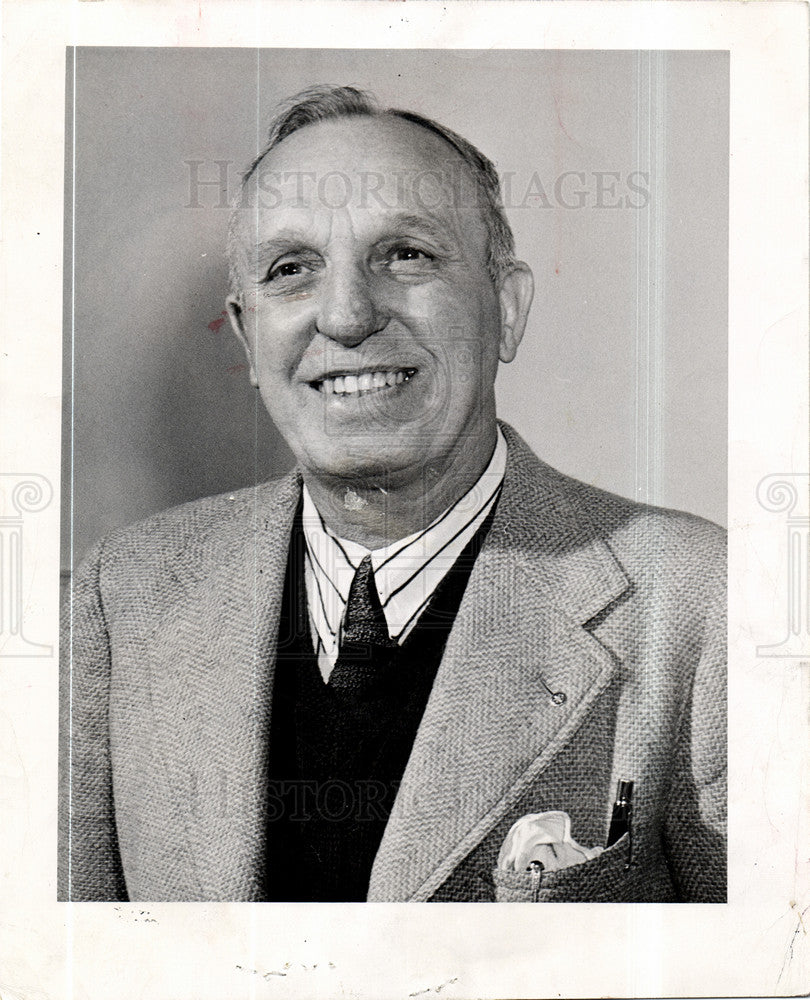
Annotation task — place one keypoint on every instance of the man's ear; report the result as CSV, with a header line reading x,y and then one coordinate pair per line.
x,y
515,293
236,315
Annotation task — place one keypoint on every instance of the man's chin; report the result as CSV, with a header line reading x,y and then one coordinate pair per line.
x,y
365,464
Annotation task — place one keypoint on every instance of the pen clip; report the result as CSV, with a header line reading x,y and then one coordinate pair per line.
x,y
621,820
536,868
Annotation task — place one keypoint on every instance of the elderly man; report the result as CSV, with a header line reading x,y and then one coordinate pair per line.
x,y
424,665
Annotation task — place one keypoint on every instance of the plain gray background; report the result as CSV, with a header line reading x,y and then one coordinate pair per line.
x,y
621,379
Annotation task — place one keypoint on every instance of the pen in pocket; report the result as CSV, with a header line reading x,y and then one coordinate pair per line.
x,y
621,821
536,868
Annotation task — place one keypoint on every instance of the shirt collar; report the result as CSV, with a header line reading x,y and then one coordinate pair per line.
x,y
406,572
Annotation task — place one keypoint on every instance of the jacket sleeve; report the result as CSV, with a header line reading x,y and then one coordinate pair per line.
x,y
695,827
89,866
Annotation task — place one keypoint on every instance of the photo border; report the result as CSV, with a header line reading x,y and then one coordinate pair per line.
x,y
757,944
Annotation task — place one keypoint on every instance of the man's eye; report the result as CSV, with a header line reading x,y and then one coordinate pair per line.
x,y
409,260
286,269
410,253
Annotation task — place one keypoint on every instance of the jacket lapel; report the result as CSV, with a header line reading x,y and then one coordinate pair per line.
x,y
212,663
518,676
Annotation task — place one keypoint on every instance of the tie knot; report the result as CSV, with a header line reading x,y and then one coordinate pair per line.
x,y
365,646
364,618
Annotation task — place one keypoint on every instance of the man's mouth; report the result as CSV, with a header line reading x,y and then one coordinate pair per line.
x,y
363,384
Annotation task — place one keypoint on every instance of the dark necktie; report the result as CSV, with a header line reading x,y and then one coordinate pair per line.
x,y
365,645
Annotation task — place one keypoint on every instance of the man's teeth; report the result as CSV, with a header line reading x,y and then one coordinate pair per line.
x,y
359,385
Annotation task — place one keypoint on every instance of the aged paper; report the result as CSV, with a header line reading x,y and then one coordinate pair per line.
x,y
748,59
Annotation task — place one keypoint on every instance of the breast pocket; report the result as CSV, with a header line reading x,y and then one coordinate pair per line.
x,y
604,879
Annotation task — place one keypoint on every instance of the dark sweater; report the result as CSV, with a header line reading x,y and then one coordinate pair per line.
x,y
336,761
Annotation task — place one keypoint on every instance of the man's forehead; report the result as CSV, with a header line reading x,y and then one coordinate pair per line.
x,y
360,142
381,163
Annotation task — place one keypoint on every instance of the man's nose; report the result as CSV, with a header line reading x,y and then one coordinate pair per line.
x,y
348,310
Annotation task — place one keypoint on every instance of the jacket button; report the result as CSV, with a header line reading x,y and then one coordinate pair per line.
x,y
559,698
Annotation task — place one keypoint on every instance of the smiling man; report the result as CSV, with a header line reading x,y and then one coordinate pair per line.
x,y
424,665
355,300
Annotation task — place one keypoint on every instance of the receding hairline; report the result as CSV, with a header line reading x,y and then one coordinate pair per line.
x,y
385,115
439,166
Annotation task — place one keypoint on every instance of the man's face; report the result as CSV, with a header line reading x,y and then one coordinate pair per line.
x,y
371,322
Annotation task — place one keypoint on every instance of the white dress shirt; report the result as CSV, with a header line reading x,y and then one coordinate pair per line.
x,y
406,572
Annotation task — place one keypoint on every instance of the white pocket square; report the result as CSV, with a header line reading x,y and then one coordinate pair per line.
x,y
543,839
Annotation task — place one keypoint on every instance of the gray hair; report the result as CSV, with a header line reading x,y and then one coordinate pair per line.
x,y
322,103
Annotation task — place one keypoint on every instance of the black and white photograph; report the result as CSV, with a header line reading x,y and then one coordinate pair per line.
x,y
425,664
403,499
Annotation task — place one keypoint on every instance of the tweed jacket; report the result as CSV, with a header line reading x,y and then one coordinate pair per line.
x,y
588,648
